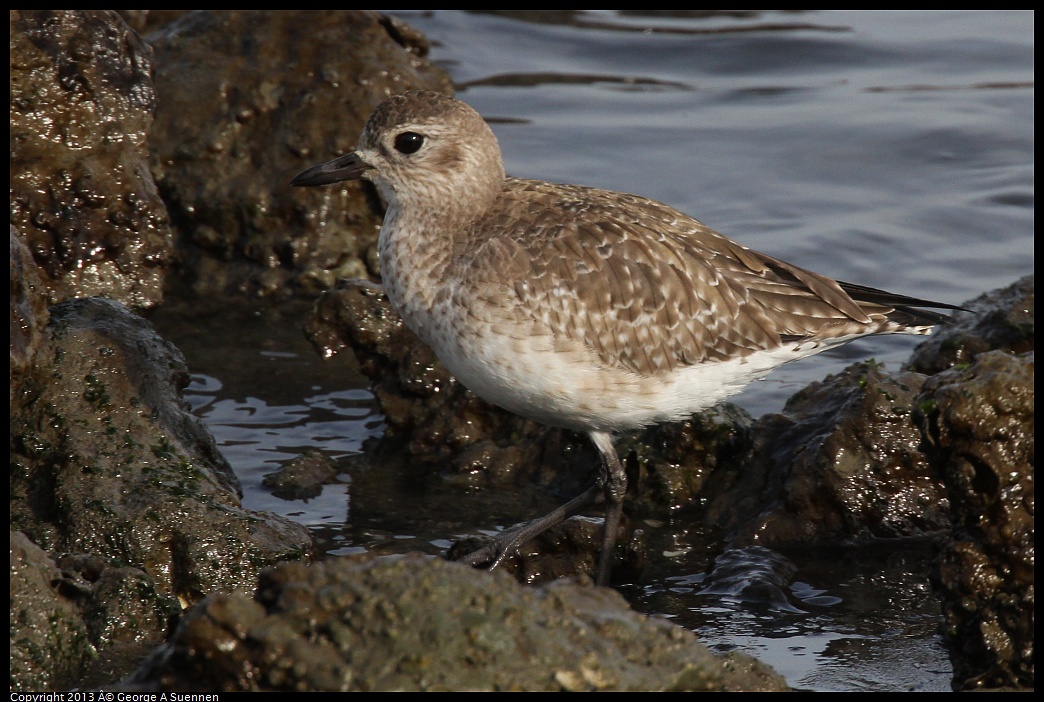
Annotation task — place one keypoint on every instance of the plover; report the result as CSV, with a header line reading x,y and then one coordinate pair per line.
x,y
581,308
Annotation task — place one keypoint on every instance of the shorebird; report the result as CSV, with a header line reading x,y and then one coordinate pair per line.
x,y
596,311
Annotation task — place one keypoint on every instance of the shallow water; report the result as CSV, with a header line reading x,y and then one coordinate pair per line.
x,y
892,149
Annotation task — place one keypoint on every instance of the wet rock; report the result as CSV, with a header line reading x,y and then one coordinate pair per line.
x,y
1000,319
29,313
111,474
753,575
119,604
417,623
82,197
246,99
49,642
123,608
107,461
978,425
841,461
668,465
303,478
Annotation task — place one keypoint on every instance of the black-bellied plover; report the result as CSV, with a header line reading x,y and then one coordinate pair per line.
x,y
581,308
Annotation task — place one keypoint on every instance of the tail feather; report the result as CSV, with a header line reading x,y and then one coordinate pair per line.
x,y
906,310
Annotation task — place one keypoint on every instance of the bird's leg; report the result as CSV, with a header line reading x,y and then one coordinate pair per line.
x,y
507,543
611,486
613,482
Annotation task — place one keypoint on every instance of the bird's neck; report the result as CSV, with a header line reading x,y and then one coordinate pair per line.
x,y
420,240
415,257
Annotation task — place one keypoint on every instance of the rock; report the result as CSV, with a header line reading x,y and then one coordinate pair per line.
x,y
29,313
235,122
841,461
114,477
999,319
978,424
82,197
412,623
49,642
303,478
107,461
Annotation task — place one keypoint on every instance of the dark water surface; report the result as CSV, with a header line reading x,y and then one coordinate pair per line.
x,y
892,149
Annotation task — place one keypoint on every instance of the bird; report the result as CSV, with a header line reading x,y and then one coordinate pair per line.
x,y
596,311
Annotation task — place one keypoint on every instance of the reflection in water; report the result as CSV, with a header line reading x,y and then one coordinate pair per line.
x,y
869,623
258,438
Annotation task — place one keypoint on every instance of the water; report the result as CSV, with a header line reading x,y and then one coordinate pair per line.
x,y
892,149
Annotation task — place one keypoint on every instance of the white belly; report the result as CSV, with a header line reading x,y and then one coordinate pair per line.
x,y
569,387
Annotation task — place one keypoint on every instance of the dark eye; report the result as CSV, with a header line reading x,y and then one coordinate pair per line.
x,y
408,142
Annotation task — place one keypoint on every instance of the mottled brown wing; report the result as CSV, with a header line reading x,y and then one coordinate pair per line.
x,y
647,287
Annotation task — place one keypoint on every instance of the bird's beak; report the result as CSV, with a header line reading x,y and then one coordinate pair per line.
x,y
347,167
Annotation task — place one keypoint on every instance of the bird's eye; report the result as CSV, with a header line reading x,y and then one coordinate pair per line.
x,y
408,142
